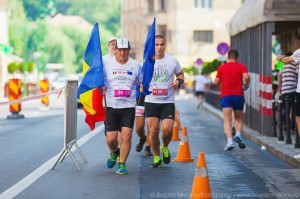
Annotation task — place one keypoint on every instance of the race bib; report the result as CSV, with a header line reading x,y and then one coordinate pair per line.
x,y
139,111
160,91
122,93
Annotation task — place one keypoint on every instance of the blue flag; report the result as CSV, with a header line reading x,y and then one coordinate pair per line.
x,y
149,59
92,64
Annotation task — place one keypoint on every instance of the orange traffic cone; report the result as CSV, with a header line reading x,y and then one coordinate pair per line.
x,y
175,136
184,154
178,123
176,113
201,187
177,120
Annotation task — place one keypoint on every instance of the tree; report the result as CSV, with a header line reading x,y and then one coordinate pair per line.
x,y
59,45
209,67
107,13
16,26
38,9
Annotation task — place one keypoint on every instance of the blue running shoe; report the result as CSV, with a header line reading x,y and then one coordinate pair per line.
x,y
229,147
121,169
239,140
112,159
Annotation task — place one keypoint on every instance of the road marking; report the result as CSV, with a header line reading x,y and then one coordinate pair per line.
x,y
39,172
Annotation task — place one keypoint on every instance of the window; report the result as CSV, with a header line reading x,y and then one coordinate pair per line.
x,y
203,36
163,30
205,4
162,5
150,6
169,36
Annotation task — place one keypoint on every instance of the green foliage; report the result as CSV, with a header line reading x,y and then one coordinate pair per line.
x,y
16,26
79,47
12,67
38,9
107,13
61,48
209,67
29,30
191,70
30,66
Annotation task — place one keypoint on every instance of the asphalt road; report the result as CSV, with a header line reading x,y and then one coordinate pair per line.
x,y
29,146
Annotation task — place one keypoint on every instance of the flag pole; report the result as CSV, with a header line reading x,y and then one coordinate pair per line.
x,y
105,111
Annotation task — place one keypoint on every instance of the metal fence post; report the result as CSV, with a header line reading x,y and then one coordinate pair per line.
x,y
274,123
280,136
297,144
70,124
287,119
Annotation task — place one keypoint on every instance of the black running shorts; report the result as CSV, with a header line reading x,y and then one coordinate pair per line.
x,y
161,111
116,118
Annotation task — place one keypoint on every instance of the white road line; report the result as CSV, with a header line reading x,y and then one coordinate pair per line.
x,y
36,174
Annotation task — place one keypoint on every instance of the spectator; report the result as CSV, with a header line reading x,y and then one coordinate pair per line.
x,y
295,57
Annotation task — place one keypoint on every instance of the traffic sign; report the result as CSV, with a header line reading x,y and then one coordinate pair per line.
x,y
199,61
5,48
223,48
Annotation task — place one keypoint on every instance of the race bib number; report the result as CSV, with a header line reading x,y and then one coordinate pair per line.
x,y
139,111
160,91
122,93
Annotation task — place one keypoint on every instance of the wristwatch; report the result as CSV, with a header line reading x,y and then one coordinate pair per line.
x,y
180,82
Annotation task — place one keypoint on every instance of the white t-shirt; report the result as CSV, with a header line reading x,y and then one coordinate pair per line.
x,y
163,77
200,82
107,56
120,81
296,57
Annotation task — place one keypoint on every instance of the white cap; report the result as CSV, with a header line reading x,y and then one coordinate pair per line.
x,y
112,39
122,43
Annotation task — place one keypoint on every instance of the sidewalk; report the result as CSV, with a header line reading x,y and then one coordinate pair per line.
x,y
283,151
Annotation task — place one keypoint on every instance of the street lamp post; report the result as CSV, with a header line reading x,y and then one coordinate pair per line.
x,y
36,56
25,59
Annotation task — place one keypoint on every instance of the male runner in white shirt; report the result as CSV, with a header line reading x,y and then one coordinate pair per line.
x,y
160,104
121,74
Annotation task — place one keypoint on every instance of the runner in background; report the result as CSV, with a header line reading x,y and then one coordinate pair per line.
x,y
140,124
112,50
234,80
200,87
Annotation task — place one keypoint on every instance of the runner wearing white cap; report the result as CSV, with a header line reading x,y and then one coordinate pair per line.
x,y
111,48
121,74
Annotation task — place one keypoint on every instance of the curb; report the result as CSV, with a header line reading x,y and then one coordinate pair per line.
x,y
277,148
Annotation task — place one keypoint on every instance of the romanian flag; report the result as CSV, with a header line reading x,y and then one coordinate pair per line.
x,y
89,90
149,59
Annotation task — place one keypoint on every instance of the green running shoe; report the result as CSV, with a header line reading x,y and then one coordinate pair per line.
x,y
156,162
121,169
111,161
166,154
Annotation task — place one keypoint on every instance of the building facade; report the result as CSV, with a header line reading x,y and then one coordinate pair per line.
x,y
193,28
252,30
